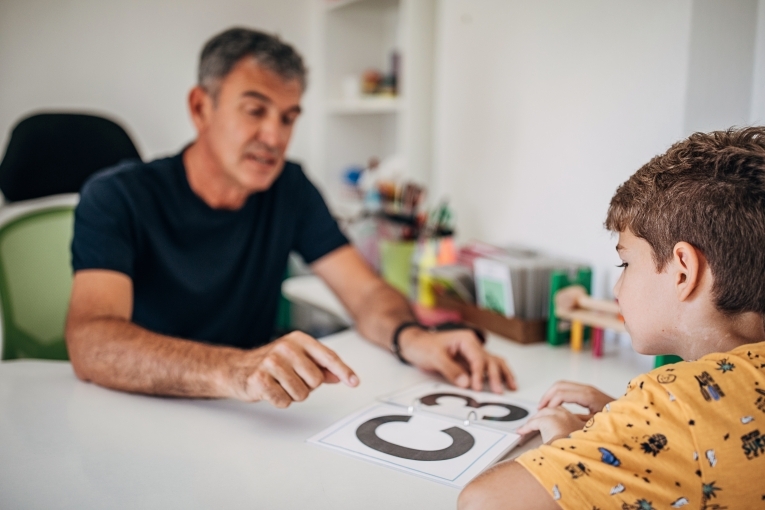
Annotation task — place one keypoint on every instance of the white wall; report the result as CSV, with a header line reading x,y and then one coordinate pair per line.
x,y
757,115
134,60
720,70
543,108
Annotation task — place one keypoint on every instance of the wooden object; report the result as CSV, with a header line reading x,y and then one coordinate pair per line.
x,y
512,328
558,280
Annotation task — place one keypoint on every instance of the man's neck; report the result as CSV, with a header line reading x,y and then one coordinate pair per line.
x,y
208,180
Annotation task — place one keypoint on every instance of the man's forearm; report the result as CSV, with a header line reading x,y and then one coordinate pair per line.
x,y
118,354
385,309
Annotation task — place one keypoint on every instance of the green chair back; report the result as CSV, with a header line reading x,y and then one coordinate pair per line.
x,y
35,283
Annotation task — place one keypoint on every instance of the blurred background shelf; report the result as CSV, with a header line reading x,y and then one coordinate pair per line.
x,y
365,106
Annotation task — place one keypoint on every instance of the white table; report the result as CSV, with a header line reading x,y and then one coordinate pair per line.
x,y
68,444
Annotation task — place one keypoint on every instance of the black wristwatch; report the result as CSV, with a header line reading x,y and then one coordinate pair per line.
x,y
395,345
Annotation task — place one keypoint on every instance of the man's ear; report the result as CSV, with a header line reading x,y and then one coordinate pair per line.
x,y
200,108
687,264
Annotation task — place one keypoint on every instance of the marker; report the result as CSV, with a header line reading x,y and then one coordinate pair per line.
x,y
597,342
577,335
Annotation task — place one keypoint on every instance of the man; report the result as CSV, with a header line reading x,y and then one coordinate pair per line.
x,y
178,262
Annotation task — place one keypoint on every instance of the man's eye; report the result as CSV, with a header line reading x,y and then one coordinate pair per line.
x,y
288,120
256,112
622,265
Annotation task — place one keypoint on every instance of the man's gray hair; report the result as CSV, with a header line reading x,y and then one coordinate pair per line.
x,y
221,53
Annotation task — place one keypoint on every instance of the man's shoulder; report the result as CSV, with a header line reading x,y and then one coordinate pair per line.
x,y
129,177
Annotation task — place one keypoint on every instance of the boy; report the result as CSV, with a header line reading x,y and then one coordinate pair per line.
x,y
691,227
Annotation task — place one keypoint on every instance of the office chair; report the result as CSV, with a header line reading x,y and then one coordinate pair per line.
x,y
54,153
36,276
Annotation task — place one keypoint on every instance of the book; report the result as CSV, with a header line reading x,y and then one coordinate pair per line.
x,y
432,430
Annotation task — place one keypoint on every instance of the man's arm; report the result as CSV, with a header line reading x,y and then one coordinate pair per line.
x,y
379,309
107,348
506,486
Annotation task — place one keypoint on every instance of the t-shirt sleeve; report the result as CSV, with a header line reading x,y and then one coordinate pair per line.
x,y
318,232
103,234
636,454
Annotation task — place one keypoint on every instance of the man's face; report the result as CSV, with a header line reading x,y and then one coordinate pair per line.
x,y
248,128
646,298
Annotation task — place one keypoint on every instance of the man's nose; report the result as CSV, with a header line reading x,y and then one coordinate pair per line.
x,y
271,132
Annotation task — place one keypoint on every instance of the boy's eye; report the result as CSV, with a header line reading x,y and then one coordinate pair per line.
x,y
622,265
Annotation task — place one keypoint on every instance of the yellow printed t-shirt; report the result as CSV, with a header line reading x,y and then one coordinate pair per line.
x,y
688,435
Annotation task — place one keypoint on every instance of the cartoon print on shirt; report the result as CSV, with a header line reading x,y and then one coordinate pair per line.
x,y
710,390
747,419
655,444
709,491
725,366
555,493
666,378
617,489
680,502
577,470
608,457
753,444
640,504
760,402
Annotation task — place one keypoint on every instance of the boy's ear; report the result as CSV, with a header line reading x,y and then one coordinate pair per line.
x,y
687,262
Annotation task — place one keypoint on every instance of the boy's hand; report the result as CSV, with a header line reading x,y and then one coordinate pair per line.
x,y
575,393
553,423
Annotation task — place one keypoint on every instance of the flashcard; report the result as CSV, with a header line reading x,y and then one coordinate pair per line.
x,y
436,447
485,409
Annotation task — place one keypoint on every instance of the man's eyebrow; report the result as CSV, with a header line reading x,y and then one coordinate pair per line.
x,y
257,95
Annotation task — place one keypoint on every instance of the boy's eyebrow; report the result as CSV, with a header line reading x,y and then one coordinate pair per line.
x,y
619,247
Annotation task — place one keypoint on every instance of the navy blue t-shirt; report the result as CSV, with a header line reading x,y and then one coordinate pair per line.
x,y
199,273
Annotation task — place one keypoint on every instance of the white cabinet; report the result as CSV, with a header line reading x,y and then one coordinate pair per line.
x,y
350,37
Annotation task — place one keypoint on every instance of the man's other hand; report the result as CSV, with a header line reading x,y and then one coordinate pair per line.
x,y
287,370
458,356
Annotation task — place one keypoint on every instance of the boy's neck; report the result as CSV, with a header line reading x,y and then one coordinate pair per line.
x,y
722,334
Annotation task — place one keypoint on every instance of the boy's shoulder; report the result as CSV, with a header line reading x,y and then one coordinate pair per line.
x,y
717,377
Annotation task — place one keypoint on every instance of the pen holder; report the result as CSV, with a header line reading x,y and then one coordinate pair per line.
x,y
396,264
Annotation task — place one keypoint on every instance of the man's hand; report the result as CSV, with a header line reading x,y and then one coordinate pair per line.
x,y
574,393
458,356
287,370
553,423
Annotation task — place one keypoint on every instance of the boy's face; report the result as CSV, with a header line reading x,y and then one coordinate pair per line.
x,y
647,299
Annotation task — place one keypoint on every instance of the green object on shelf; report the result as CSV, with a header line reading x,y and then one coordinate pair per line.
x,y
35,283
396,264
559,280
666,359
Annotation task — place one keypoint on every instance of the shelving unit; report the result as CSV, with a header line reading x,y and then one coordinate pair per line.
x,y
350,37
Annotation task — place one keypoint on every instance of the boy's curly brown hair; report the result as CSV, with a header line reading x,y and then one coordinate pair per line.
x,y
707,190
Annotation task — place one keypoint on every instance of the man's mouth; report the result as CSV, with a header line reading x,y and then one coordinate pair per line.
x,y
263,159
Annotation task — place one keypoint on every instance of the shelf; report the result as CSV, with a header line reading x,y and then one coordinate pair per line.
x,y
365,105
331,5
